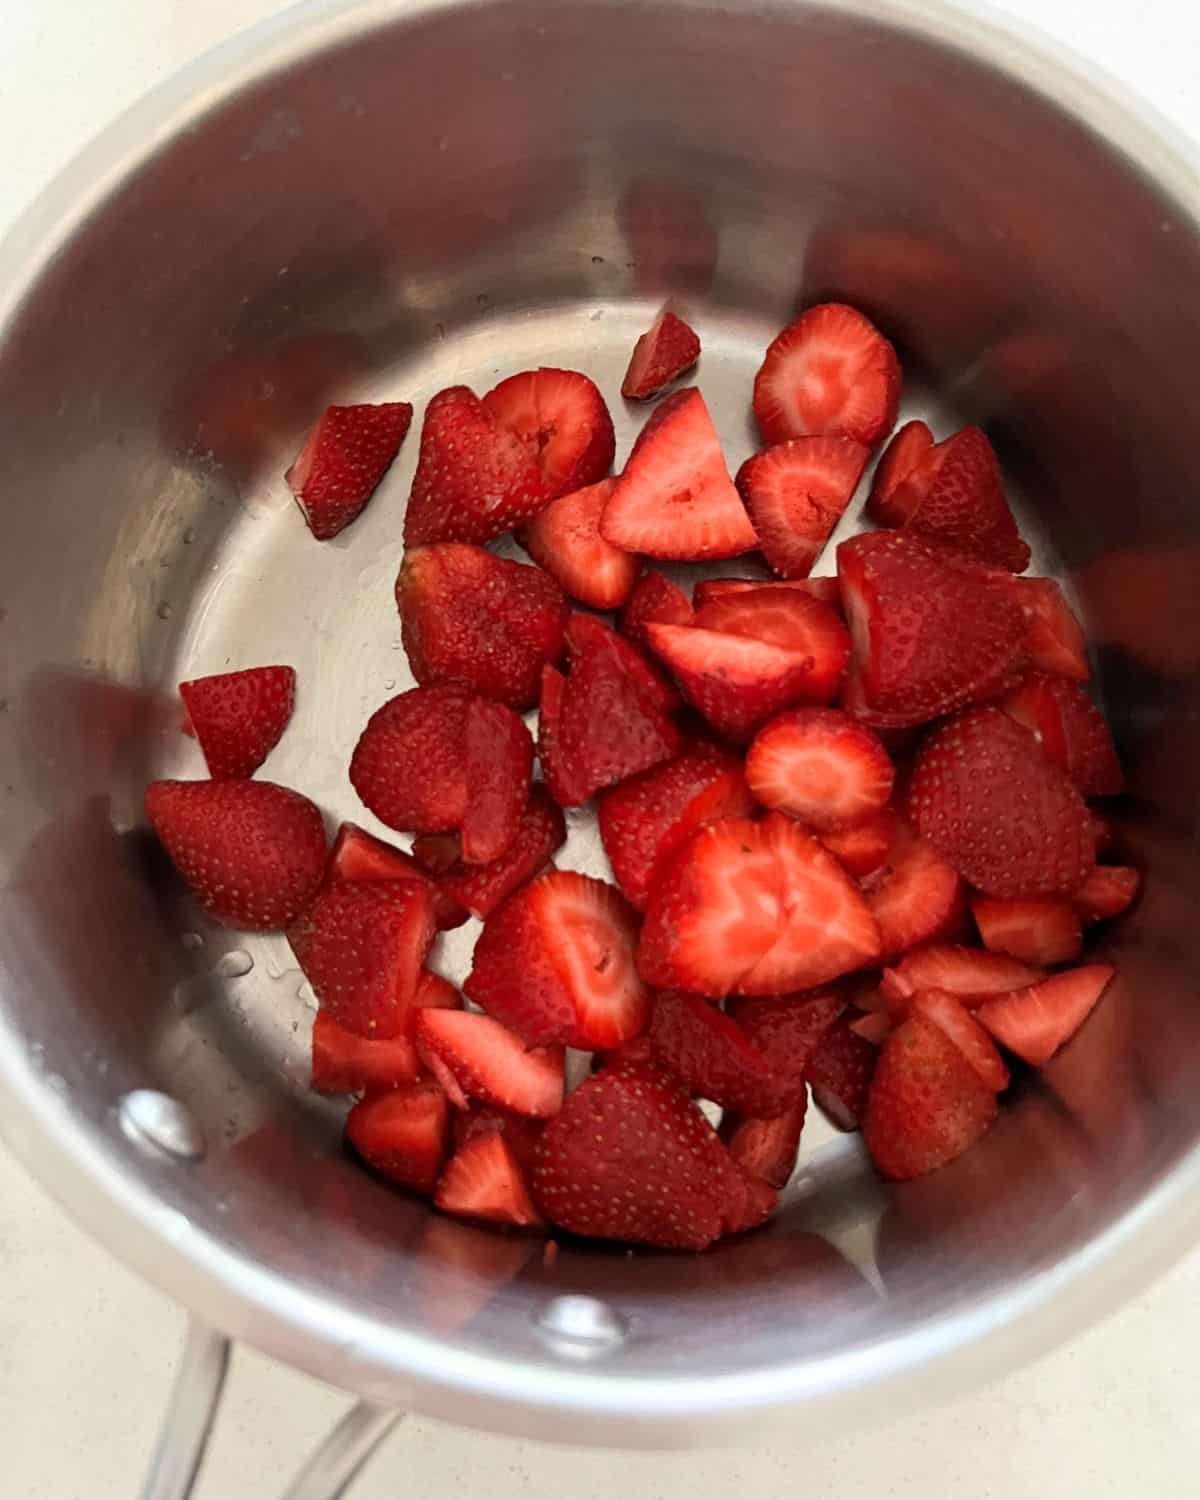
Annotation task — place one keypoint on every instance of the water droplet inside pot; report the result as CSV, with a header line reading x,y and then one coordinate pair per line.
x,y
233,965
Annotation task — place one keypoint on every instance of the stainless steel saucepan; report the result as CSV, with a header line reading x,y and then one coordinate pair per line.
x,y
373,200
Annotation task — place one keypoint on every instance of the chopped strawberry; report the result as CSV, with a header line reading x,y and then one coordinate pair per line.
x,y
645,819
403,1133
1040,930
561,420
435,992
667,350
756,908
474,1057
892,499
1007,818
796,494
239,717
361,946
252,853
915,896
710,1055
556,963
475,479
930,633
358,855
874,1026
655,601
345,1063
863,849
926,1105
482,1180
788,1029
753,1201
1054,637
766,1148
1035,1022
343,459
947,1012
965,972
637,1052
521,1134
821,767
792,620
839,1073
1107,892
478,621
498,752
830,371
675,497
565,540
962,504
827,590
1070,729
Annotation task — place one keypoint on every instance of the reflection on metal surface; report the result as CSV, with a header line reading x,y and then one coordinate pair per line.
x,y
581,1327
154,1120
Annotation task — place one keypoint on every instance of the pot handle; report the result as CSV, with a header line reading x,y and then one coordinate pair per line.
x,y
192,1410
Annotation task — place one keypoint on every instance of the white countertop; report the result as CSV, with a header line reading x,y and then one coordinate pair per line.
x,y
87,1352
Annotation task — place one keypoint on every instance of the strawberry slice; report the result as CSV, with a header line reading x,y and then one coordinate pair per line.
x,y
1035,1022
930,633
1054,637
358,855
821,767
788,1029
239,717
474,620
827,590
1040,930
766,1148
863,849
521,1134
646,819
947,1012
893,497
560,418
475,479
756,908
915,896
252,853
655,601
792,620
475,1057
926,1105
1007,818
796,494
830,371
556,964
667,350
840,1072
962,504
343,460
403,1133
1070,729
498,752
675,497
1107,892
345,1063
565,540
710,1055
965,972
482,1180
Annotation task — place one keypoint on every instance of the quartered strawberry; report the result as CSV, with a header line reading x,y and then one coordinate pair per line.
x,y
1070,729
965,972
709,1054
667,350
893,499
361,946
1107,892
474,1057
556,963
655,601
827,590
821,767
343,459
565,540
358,855
1054,637
498,753
840,1072
927,1104
766,1148
947,1012
830,371
863,849
754,908
252,853
475,479
483,1180
930,633
796,493
915,895
1035,1022
788,1029
521,1133
345,1063
403,1133
998,810
474,620
675,497
962,505
645,819
561,420
1040,930
239,717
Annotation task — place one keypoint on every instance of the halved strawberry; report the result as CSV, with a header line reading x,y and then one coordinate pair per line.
x,y
947,1012
521,1133
475,479
962,504
478,621
343,460
839,1073
766,1148
498,755
645,819
830,371
655,601
565,540
998,810
756,908
915,896
926,1104
930,633
403,1133
667,350
1107,892
892,499
556,963
1035,1022
1040,930
711,1056
474,1057
483,1180
965,972
358,855
863,849
675,497
827,590
1054,637
821,767
560,418
239,717
796,494
788,1029
252,853
345,1063
1070,729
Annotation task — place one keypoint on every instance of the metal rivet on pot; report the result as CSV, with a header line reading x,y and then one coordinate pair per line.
x,y
157,1122
581,1327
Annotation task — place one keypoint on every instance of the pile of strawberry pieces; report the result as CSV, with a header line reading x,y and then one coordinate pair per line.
x,y
850,819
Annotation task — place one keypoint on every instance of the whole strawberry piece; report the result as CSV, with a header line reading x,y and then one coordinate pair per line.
x,y
962,502
560,419
668,349
796,493
251,852
654,601
892,499
239,717
343,459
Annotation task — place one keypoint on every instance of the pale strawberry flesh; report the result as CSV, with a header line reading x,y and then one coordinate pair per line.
x,y
561,421
403,1133
1041,930
796,493
892,499
481,1059
1035,1022
820,766
565,540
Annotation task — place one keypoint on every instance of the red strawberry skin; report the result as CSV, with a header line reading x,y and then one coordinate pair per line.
x,y
796,494
408,766
963,505
840,1072
343,460
1107,892
357,855
788,1030
521,1133
565,540
483,1180
498,751
346,1063
655,601
403,1134
252,853
1070,729
668,349
561,421
709,1054
239,717
892,500
1055,639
